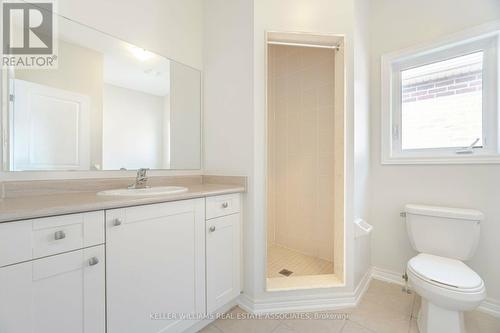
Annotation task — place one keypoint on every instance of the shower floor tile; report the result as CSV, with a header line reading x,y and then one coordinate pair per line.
x,y
279,258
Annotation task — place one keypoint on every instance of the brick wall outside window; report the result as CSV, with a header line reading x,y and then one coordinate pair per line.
x,y
457,84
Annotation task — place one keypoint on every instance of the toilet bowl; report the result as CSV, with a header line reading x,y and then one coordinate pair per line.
x,y
448,287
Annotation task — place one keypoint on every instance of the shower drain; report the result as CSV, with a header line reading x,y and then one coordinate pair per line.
x,y
285,272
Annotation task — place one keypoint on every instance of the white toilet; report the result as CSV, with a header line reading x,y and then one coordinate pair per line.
x,y
444,237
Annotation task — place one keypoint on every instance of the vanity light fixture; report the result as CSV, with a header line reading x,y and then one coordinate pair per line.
x,y
141,54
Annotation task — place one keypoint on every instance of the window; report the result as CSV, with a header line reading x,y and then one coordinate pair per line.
x,y
440,104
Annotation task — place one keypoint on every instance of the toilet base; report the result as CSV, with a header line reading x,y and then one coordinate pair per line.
x,y
435,319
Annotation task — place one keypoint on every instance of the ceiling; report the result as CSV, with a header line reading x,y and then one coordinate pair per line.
x,y
124,65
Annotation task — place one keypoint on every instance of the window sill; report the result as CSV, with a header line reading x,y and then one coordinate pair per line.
x,y
477,159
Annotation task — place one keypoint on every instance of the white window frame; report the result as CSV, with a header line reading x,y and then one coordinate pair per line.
x,y
486,39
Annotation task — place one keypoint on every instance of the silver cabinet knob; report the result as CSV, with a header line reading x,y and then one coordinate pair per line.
x,y
211,229
59,235
93,261
225,205
117,222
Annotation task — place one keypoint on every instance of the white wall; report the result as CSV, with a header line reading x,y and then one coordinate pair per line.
x,y
228,102
172,28
320,16
132,129
396,25
235,118
362,254
185,117
228,130
234,101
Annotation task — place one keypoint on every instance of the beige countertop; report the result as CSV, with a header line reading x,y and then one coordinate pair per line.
x,y
28,207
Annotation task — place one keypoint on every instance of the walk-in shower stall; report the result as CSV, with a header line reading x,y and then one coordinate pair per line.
x,y
305,169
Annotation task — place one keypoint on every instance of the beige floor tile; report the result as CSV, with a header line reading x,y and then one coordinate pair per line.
x,y
378,312
210,329
279,258
239,324
390,297
324,325
352,327
475,322
282,328
344,313
414,327
399,304
303,281
478,322
375,316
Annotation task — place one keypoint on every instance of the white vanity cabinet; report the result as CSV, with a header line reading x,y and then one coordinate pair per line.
x,y
149,269
50,282
155,266
223,250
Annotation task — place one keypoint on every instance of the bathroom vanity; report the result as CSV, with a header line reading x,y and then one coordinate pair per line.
x,y
128,266
82,255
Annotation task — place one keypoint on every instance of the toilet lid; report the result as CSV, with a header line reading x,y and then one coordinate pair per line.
x,y
448,273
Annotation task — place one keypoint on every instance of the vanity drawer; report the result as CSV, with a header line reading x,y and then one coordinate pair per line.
x,y
58,239
222,205
31,239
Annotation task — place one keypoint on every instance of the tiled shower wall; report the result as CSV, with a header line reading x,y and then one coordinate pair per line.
x,y
301,149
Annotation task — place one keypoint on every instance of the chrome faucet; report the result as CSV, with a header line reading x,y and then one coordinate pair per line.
x,y
141,180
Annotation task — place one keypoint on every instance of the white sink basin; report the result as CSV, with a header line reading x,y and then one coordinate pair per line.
x,y
143,192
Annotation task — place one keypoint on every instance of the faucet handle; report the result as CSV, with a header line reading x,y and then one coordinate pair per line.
x,y
142,172
141,179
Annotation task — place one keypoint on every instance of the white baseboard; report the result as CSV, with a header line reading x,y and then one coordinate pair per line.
x,y
199,325
306,302
296,304
362,286
387,275
246,303
490,306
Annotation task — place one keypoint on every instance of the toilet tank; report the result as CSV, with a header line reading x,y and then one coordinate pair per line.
x,y
443,231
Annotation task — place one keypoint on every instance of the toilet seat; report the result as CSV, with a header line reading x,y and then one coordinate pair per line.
x,y
446,273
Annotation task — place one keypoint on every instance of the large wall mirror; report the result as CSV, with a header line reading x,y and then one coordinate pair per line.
x,y
109,105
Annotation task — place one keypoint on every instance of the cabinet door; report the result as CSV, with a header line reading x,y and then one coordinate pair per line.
x,y
155,266
223,260
58,294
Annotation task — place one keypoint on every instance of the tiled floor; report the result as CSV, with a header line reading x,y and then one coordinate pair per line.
x,y
279,258
383,309
303,281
